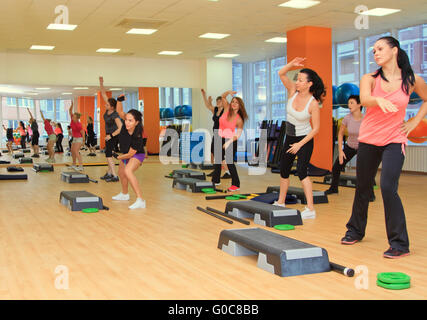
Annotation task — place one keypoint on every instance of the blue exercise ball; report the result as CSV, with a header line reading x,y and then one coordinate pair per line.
x,y
162,110
334,97
344,92
177,111
186,111
169,113
414,98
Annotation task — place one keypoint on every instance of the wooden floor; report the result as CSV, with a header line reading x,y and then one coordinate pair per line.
x,y
169,250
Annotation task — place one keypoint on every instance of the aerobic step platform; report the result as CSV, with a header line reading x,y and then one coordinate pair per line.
x,y
74,177
18,155
25,160
277,254
264,214
43,167
203,166
185,173
344,180
191,184
318,196
79,200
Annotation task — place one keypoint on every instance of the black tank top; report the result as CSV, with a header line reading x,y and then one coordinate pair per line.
x,y
215,118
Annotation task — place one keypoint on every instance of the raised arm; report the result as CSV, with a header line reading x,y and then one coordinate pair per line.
x,y
5,129
224,99
102,89
288,83
71,110
208,101
41,113
31,115
119,107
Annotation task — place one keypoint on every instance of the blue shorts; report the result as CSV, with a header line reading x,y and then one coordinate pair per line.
x,y
138,156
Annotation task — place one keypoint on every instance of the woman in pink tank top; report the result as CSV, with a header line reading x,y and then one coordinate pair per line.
x,y
230,129
382,138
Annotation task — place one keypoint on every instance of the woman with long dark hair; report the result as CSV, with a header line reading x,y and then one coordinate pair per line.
x,y
305,96
23,134
59,136
230,129
382,138
131,143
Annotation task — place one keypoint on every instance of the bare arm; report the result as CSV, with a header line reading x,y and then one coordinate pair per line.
x,y
420,88
128,155
288,83
71,110
41,112
225,101
208,101
119,109
31,116
340,143
117,131
102,89
369,101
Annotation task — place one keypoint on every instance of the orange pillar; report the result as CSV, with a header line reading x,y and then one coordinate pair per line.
x,y
151,117
315,44
86,107
101,107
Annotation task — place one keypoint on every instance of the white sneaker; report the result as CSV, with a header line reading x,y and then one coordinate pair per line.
x,y
139,204
121,197
279,204
308,214
80,168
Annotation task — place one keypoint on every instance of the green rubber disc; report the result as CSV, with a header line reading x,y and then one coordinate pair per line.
x,y
208,189
185,166
210,192
232,198
284,227
240,196
376,187
393,277
393,286
90,210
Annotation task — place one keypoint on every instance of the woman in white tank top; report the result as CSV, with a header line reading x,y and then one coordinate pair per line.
x,y
303,106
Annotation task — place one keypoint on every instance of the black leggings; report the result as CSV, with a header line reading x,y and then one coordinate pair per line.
x,y
304,156
23,141
369,158
337,168
228,155
59,138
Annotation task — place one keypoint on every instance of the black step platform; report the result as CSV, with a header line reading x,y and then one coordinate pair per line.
x,y
25,160
318,196
74,177
79,200
202,166
26,150
344,180
264,214
43,167
277,254
191,184
185,173
13,177
18,155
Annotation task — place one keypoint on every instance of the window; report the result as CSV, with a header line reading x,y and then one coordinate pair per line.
x,y
414,41
278,91
348,62
46,106
176,97
62,110
371,66
11,102
186,96
238,79
9,110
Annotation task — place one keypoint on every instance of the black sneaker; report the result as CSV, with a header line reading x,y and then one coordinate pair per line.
x,y
210,174
112,179
106,176
395,253
372,198
331,191
226,176
348,240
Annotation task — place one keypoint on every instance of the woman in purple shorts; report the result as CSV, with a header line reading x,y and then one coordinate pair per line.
x,y
133,154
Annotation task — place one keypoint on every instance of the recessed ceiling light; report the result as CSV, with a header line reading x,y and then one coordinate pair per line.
x,y
10,90
170,53
226,55
80,88
214,35
37,47
379,12
277,40
115,89
299,4
108,50
61,26
42,88
66,93
141,31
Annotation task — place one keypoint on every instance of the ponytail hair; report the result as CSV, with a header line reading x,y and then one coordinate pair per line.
x,y
112,102
138,117
317,89
408,77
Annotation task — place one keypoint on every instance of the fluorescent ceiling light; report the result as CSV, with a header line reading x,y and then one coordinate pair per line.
x,y
10,90
141,31
277,40
299,4
80,88
108,50
226,55
37,47
214,35
66,93
170,53
32,93
115,89
61,26
379,12
42,88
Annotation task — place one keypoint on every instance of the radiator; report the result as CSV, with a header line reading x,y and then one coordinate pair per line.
x,y
416,159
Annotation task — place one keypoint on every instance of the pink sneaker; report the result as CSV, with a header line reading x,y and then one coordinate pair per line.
x,y
233,188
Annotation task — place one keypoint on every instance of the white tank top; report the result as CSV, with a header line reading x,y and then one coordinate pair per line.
x,y
298,122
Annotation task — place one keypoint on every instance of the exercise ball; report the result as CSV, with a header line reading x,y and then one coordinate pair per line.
x,y
177,111
334,97
344,92
414,98
162,110
168,113
419,134
186,111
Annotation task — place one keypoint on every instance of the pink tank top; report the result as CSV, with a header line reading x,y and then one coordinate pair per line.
x,y
227,128
379,128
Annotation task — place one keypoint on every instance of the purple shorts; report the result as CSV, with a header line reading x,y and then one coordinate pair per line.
x,y
139,156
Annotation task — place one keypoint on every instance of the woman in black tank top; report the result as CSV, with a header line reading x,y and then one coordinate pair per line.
x,y
217,112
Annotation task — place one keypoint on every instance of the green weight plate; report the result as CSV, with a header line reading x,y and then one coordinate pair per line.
x,y
240,196
232,198
393,277
208,189
90,210
284,227
393,286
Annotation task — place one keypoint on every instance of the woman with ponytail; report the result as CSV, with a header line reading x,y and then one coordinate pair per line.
x,y
305,95
382,138
132,147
